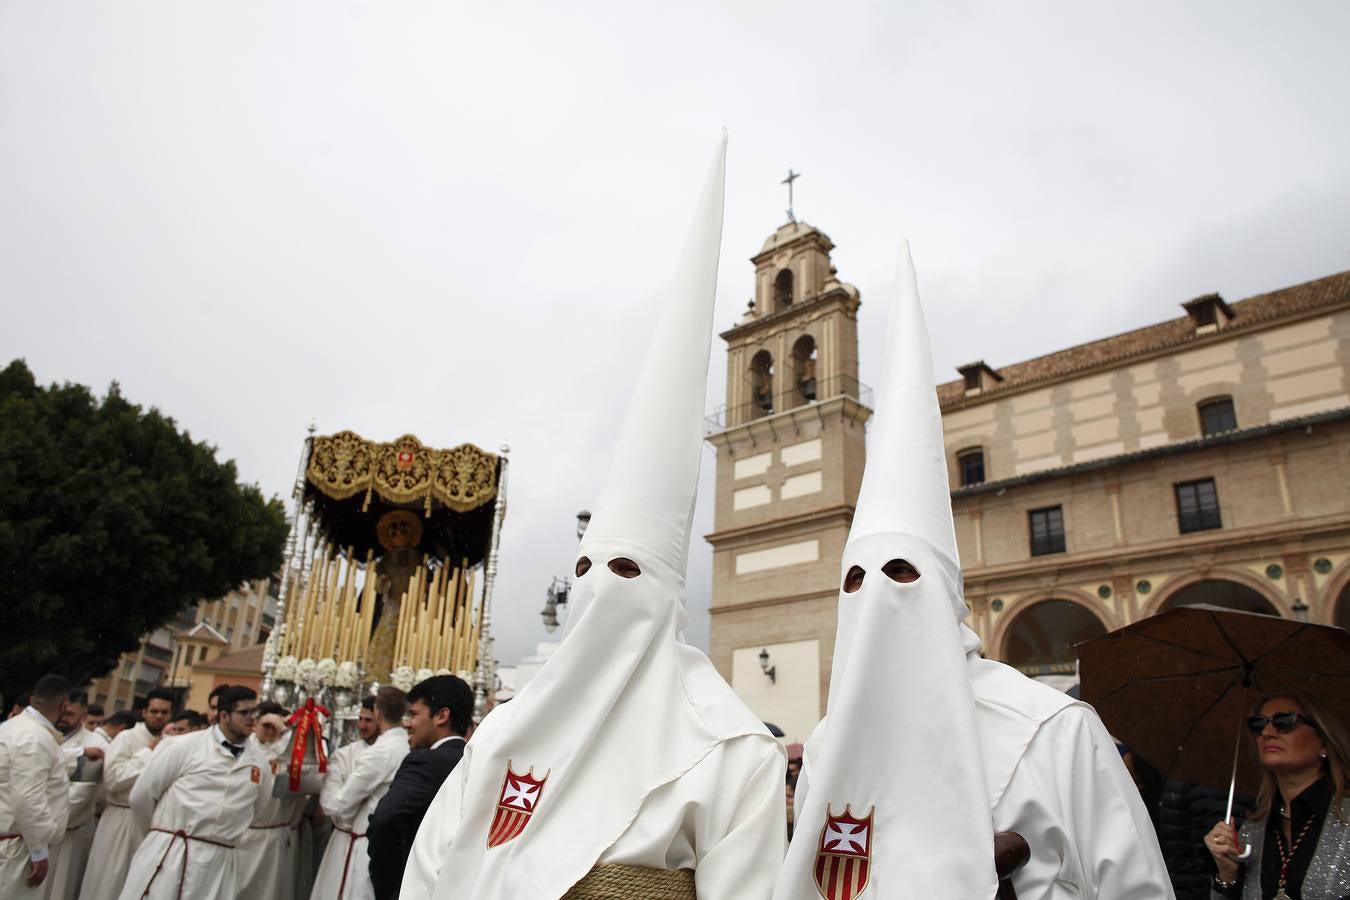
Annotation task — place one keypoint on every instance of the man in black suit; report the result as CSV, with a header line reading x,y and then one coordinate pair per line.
x,y
439,720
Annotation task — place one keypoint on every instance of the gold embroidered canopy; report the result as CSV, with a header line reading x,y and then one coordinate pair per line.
x,y
384,496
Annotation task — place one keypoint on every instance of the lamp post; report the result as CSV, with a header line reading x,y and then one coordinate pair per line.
x,y
1300,610
558,591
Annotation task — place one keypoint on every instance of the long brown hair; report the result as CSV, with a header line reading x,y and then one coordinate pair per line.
x,y
1334,741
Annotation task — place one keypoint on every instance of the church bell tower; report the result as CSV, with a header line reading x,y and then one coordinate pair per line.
x,y
790,453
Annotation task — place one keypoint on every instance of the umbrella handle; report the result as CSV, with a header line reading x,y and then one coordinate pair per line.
x,y
1232,784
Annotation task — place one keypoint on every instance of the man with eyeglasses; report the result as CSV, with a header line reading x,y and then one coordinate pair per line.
x,y
197,796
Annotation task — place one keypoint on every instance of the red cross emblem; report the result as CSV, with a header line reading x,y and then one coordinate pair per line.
x,y
404,460
518,801
844,859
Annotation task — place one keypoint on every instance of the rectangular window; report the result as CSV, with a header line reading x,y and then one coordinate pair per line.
x,y
971,464
1047,530
1198,506
1217,416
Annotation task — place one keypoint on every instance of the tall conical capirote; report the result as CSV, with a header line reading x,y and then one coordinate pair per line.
x,y
905,488
648,498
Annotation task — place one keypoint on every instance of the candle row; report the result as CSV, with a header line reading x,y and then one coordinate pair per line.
x,y
436,626
335,610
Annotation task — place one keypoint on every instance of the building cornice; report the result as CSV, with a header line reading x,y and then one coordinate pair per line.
x,y
1180,547
842,512
773,428
772,601
1226,438
836,293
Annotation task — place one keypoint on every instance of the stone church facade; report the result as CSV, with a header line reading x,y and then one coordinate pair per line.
x,y
1205,459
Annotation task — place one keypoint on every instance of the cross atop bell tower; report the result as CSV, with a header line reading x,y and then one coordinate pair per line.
x,y
790,453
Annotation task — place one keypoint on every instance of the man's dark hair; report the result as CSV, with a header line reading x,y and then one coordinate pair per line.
x,y
123,718
21,700
368,703
94,709
233,695
50,689
446,692
79,697
159,694
271,708
391,704
193,719
216,692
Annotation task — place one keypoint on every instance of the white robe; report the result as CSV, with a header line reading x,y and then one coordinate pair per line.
x,y
117,836
726,837
195,800
269,852
86,776
34,802
344,873
1072,799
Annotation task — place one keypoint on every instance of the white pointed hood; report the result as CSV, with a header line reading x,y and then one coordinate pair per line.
x,y
895,790
623,706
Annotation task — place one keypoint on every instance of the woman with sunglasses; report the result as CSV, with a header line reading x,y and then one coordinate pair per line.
x,y
1299,832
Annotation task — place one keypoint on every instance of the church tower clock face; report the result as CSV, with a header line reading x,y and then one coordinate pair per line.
x,y
790,453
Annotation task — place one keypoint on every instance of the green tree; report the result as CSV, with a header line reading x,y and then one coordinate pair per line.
x,y
111,522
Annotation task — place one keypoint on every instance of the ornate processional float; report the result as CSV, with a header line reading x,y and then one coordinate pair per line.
x,y
382,567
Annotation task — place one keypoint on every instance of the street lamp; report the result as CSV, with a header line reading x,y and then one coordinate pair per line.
x,y
561,587
556,596
771,671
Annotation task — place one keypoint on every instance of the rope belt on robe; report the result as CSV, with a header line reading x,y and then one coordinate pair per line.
x,y
633,883
182,874
119,805
347,863
9,837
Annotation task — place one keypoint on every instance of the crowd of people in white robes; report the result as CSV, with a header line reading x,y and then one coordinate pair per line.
x,y
179,804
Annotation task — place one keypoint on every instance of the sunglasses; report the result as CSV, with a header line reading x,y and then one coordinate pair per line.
x,y
1284,722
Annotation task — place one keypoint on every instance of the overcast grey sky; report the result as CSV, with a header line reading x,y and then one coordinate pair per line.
x,y
451,219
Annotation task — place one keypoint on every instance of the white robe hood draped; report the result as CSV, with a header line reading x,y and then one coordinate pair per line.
x,y
901,743
624,706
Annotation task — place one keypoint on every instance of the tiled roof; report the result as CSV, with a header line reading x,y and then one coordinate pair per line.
x,y
1249,313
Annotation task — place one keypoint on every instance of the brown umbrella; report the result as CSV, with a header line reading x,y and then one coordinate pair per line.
x,y
1178,687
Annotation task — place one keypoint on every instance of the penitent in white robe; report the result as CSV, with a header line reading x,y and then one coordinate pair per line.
x,y
344,873
269,852
195,799
117,836
34,797
1072,799
86,776
732,839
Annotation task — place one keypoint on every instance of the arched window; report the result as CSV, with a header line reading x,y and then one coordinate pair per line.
x,y
1217,415
782,290
970,465
761,384
1041,639
804,368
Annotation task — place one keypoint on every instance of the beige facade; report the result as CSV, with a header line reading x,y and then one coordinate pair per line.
x,y
165,658
1202,459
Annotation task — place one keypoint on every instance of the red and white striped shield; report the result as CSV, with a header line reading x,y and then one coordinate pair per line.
x,y
844,859
518,801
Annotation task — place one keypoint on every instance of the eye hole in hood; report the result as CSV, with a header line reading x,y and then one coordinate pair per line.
x,y
583,566
624,567
900,570
854,579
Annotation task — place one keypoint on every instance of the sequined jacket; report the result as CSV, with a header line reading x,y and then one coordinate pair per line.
x,y
1328,875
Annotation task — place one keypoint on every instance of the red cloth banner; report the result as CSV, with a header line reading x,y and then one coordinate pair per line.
x,y
307,724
